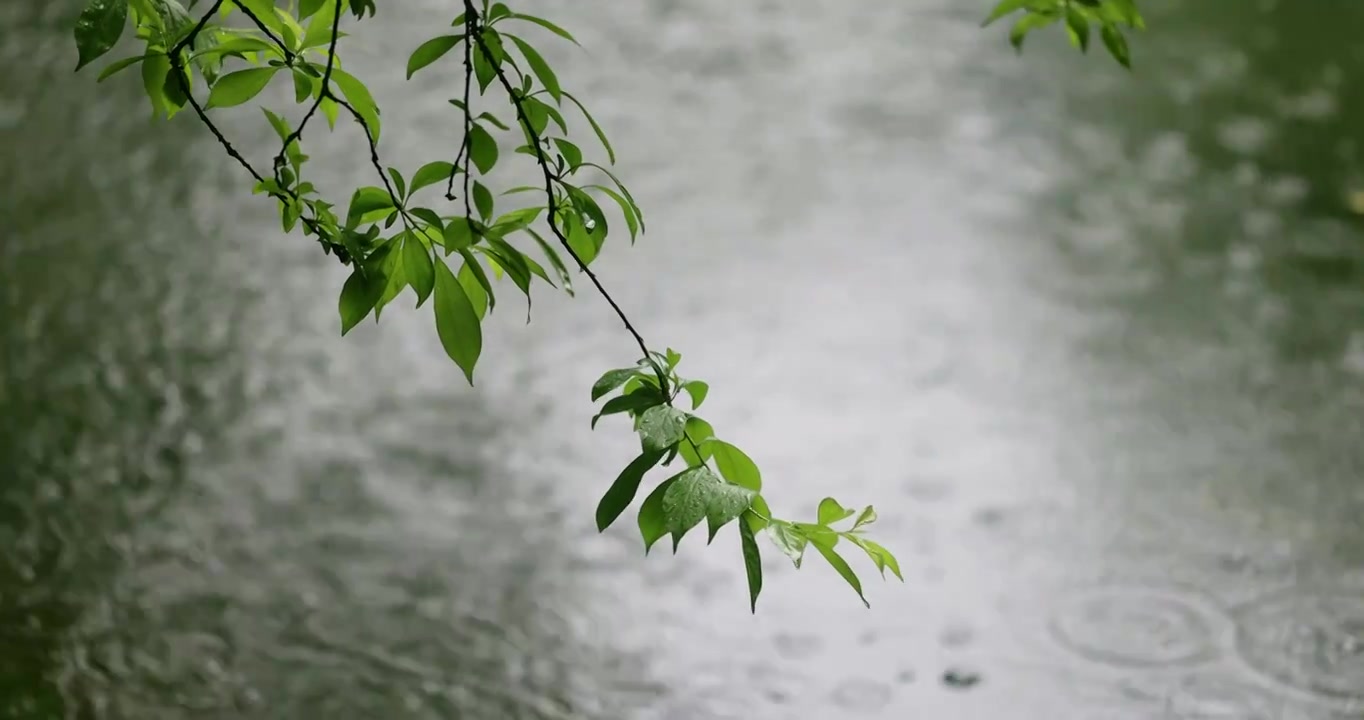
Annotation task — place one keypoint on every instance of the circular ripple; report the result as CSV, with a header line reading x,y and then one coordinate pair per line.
x,y
1314,643
1134,627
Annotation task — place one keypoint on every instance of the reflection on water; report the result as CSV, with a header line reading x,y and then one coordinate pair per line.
x,y
1091,341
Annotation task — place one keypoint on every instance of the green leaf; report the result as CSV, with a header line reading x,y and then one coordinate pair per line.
x,y
841,566
437,171
653,520
1117,45
98,29
1027,24
331,110
759,514
831,512
1077,27
867,517
611,380
880,556
264,10
395,278
365,202
1005,7
698,390
237,87
483,200
511,260
698,431
541,68
291,31
358,95
419,268
578,240
476,285
486,64
307,7
626,210
698,494
319,32
239,47
661,427
154,71
482,149
398,184
457,322
358,296
546,25
431,51
304,85
735,466
622,491
601,135
637,401
280,125
572,155
554,260
116,67
753,565
789,539
458,235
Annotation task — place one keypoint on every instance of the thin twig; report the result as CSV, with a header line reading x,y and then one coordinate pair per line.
x,y
553,203
288,54
470,26
297,135
178,67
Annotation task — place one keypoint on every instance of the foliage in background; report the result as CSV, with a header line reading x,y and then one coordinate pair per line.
x,y
453,248
1110,17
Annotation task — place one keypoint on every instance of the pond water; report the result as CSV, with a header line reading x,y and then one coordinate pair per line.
x,y
1092,342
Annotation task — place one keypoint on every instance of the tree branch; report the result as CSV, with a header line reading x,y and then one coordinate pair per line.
x,y
553,204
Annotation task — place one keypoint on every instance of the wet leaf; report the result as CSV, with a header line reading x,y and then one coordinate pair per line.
x,y
753,566
98,29
636,401
661,427
611,380
789,540
698,494
653,521
622,491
